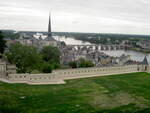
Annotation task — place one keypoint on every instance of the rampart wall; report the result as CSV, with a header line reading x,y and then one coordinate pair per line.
x,y
58,76
6,69
148,69
2,70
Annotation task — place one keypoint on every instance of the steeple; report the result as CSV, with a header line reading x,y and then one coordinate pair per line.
x,y
49,36
49,26
145,62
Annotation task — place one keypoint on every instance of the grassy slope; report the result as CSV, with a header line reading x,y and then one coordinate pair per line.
x,y
119,93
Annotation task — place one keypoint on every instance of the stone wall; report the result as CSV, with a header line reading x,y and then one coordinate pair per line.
x,y
83,72
10,69
148,69
34,78
6,68
58,76
2,69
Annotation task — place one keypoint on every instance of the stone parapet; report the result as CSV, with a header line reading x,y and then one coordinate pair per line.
x,y
58,76
148,69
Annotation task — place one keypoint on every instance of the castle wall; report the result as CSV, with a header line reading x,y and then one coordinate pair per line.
x,y
58,76
84,72
6,69
148,69
11,69
2,70
34,78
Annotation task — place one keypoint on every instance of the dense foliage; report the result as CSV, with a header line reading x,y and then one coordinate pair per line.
x,y
26,58
29,60
81,63
51,55
73,64
10,34
2,43
107,38
47,68
85,63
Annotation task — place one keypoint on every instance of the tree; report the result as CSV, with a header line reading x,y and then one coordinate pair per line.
x,y
26,58
46,68
51,55
81,63
73,64
85,63
2,43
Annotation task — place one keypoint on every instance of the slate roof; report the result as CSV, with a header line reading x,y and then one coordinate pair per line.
x,y
50,39
145,62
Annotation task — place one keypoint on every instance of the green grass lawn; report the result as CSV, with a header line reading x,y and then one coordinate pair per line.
x,y
127,93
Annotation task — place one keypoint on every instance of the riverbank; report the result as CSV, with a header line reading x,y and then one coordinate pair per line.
x,y
139,50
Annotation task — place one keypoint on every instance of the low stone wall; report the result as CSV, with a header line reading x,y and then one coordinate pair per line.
x,y
34,78
6,69
81,72
148,69
58,76
2,69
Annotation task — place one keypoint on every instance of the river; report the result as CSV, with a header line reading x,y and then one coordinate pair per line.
x,y
137,56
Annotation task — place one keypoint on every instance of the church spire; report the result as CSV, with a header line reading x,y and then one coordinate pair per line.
x,y
49,36
49,26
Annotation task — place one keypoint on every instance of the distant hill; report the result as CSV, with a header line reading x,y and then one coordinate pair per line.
x,y
104,35
85,35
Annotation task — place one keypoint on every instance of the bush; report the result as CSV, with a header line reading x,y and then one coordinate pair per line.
x,y
73,64
81,63
46,68
85,63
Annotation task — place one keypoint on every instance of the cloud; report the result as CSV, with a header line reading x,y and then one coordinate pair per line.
x,y
112,16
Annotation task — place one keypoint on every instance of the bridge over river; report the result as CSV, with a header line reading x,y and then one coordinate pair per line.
x,y
98,47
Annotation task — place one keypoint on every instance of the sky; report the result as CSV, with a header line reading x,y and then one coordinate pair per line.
x,y
95,16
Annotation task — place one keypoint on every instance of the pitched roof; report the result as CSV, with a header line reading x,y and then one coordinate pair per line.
x,y
50,39
145,62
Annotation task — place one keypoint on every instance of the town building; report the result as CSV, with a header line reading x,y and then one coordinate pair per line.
x,y
144,44
36,40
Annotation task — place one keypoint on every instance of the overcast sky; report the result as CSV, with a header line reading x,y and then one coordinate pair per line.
x,y
101,16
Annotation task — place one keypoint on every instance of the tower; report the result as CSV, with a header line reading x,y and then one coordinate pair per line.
x,y
49,27
50,40
49,34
